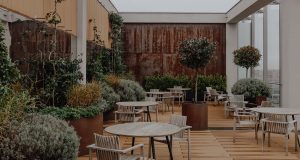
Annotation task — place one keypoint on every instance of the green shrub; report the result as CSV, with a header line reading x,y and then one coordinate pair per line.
x,y
12,105
109,95
251,88
54,78
8,71
40,137
84,95
70,113
215,81
130,91
163,82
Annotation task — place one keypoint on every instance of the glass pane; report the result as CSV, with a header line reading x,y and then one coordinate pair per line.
x,y
258,42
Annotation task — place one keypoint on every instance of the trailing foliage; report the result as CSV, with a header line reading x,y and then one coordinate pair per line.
x,y
116,22
98,64
8,71
84,95
247,57
163,82
251,88
39,137
12,106
54,78
70,113
109,95
130,91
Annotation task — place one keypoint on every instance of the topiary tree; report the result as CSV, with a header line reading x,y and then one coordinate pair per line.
x,y
251,88
8,71
195,54
247,57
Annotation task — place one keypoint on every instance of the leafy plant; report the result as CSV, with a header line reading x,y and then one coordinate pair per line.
x,y
84,95
40,137
163,82
195,54
8,71
54,78
251,88
109,95
247,57
70,113
116,22
130,91
12,105
217,82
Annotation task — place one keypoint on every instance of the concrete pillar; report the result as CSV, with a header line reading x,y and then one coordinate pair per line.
x,y
231,45
81,35
290,66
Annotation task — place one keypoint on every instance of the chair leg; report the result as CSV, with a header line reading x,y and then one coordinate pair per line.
x,y
286,144
262,141
269,139
189,145
296,137
234,132
90,154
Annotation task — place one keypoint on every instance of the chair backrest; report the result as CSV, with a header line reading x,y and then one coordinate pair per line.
x,y
154,90
150,99
208,89
179,121
109,142
214,92
126,113
266,104
237,100
177,86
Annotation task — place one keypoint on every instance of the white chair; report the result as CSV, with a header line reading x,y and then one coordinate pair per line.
x,y
108,148
216,96
207,95
233,102
128,114
178,93
167,101
243,118
180,121
277,126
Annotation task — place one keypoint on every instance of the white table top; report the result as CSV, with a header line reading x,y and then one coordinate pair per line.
x,y
180,89
158,93
143,129
281,111
137,103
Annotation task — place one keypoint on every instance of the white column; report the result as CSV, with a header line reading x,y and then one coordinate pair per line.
x,y
290,56
81,35
231,45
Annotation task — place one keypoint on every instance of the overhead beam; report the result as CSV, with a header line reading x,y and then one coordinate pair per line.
x,y
173,17
108,5
245,8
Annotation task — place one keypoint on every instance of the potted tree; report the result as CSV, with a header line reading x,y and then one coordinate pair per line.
x,y
196,54
247,57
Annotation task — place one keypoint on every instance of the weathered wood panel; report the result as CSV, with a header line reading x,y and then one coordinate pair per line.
x,y
152,49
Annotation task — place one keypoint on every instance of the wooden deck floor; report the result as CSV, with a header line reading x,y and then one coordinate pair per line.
x,y
216,143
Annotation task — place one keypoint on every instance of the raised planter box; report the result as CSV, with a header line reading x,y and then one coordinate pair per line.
x,y
197,115
85,129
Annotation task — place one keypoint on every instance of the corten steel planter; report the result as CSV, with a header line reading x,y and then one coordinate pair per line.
x,y
85,129
197,115
110,114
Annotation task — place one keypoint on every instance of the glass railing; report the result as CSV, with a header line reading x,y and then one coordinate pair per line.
x,y
275,93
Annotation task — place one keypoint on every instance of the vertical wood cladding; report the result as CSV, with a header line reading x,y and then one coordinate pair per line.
x,y
152,49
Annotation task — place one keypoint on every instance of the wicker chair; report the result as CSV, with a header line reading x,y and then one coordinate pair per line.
x,y
128,114
278,124
167,101
180,136
153,109
244,118
234,101
178,93
266,104
108,148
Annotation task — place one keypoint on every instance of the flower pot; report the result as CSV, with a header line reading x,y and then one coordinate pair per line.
x,y
85,129
197,115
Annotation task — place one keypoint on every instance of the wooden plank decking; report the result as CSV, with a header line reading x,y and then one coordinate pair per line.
x,y
216,143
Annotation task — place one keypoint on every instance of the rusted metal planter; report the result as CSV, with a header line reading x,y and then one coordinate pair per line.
x,y
85,129
197,115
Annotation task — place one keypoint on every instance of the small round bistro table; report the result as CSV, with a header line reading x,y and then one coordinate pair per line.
x,y
277,111
146,129
141,104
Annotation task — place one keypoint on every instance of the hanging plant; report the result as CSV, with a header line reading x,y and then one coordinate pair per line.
x,y
247,57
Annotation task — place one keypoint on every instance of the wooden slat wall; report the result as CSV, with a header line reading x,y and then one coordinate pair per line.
x,y
153,48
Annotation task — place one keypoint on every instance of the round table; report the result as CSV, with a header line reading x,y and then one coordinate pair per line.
x,y
278,111
146,129
141,104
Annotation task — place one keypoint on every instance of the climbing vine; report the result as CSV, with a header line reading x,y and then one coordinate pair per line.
x,y
116,22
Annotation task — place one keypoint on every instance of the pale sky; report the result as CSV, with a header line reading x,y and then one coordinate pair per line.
x,y
181,6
